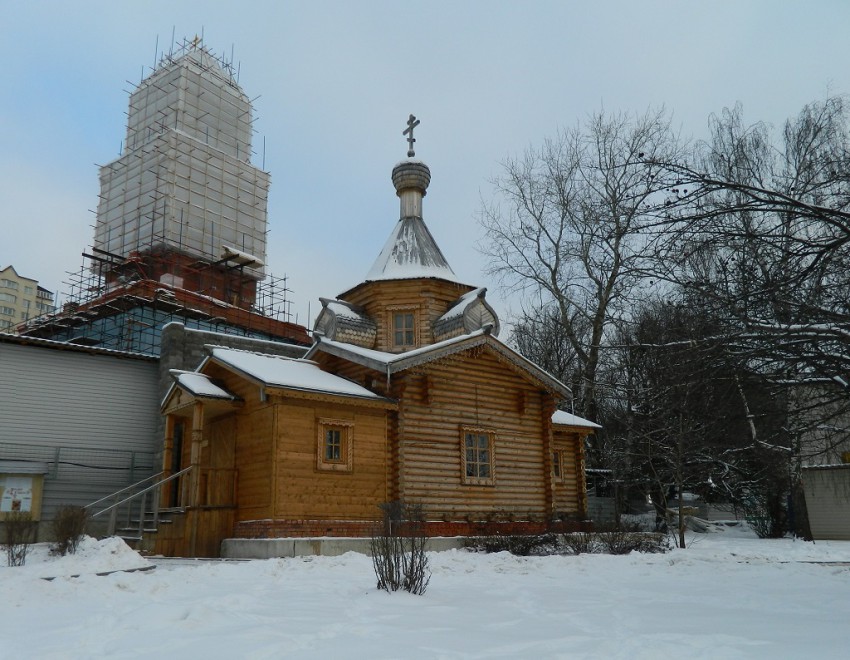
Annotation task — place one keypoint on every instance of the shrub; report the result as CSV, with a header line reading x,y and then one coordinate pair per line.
x,y
20,533
69,527
579,543
766,514
398,554
613,540
622,541
520,544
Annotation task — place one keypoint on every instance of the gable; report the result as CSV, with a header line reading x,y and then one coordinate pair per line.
x,y
390,363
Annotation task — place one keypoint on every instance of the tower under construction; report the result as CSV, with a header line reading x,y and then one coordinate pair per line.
x,y
181,221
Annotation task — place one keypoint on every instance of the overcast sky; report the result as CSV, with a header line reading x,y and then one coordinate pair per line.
x,y
334,83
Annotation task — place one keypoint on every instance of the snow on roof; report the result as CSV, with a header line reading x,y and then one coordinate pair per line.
x,y
408,161
393,362
460,306
342,309
200,385
410,252
255,341
297,374
390,358
241,258
568,419
8,338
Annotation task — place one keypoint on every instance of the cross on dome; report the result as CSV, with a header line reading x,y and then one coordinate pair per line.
x,y
412,122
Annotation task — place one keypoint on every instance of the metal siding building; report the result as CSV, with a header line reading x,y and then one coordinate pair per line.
x,y
86,417
827,490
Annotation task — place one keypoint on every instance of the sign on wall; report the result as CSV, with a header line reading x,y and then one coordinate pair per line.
x,y
16,493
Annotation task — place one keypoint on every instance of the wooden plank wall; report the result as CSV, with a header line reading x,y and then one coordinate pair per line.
x,y
305,492
253,447
253,462
177,540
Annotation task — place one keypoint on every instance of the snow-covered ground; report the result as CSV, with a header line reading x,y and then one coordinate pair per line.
x,y
727,596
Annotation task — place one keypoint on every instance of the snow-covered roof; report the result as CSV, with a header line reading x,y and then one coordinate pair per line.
x,y
289,373
395,362
340,319
462,302
568,419
470,312
409,253
382,358
241,258
340,308
23,340
200,385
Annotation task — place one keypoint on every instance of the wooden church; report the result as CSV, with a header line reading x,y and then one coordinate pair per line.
x,y
406,394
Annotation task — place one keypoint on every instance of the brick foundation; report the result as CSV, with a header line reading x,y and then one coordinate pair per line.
x,y
268,529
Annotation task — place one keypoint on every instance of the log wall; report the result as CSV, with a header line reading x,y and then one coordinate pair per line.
x,y
430,298
570,496
474,389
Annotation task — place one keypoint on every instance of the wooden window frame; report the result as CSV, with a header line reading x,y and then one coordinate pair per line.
x,y
558,465
469,480
394,311
345,463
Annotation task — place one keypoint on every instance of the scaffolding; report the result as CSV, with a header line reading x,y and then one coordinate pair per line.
x,y
119,304
185,174
181,224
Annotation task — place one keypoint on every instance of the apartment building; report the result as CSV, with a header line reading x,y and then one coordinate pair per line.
x,y
21,299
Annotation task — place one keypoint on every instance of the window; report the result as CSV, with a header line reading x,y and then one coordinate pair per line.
x,y
28,291
404,329
9,284
8,297
333,445
477,464
8,311
334,451
557,466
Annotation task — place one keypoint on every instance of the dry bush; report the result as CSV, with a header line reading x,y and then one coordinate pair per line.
x,y
20,533
518,544
398,554
69,527
623,539
579,543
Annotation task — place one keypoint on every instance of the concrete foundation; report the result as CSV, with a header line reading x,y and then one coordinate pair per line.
x,y
327,546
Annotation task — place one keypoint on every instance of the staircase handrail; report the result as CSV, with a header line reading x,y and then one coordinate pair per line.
x,y
126,488
142,492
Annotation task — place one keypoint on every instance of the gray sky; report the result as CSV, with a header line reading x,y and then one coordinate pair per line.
x,y
335,83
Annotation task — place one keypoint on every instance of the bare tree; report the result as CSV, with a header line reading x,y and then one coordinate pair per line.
x,y
538,335
760,226
566,226
699,420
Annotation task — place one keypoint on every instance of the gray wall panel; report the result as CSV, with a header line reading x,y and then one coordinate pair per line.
x,y
100,411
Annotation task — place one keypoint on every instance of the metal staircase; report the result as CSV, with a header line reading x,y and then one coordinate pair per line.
x,y
134,511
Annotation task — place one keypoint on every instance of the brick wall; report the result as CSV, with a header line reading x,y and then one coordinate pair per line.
x,y
267,529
